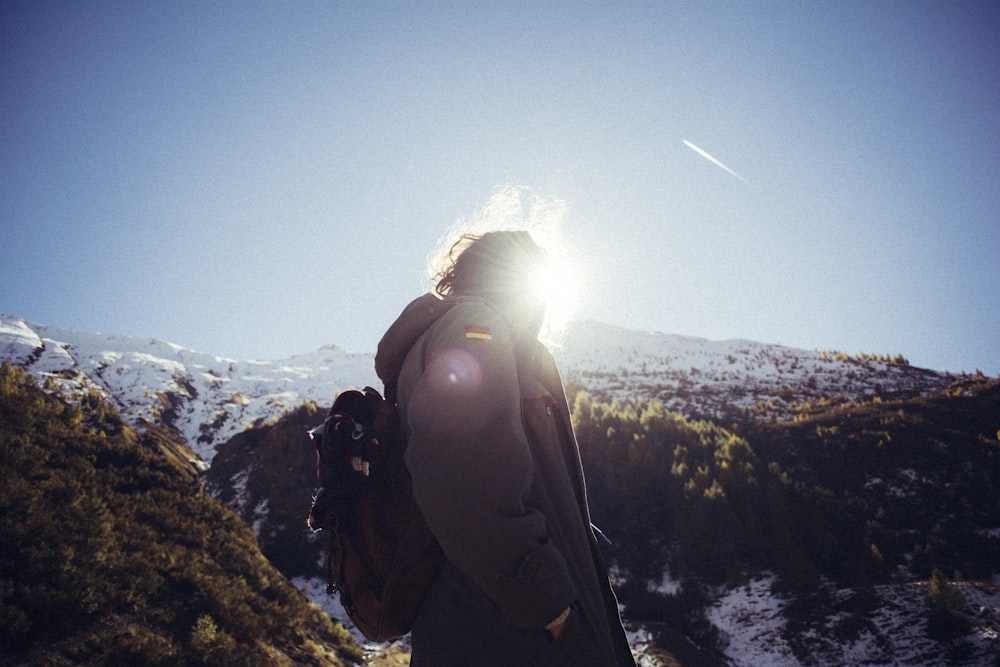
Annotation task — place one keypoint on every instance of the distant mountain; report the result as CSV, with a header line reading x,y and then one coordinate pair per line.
x,y
724,381
208,399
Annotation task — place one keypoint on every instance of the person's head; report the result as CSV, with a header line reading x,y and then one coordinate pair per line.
x,y
502,267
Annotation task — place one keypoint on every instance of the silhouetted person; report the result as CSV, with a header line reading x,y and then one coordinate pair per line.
x,y
496,471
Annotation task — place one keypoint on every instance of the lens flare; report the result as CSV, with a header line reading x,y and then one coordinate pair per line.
x,y
455,371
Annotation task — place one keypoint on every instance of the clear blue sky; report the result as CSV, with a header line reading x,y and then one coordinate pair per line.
x,y
223,175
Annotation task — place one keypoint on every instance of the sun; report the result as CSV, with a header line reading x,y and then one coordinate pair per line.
x,y
556,284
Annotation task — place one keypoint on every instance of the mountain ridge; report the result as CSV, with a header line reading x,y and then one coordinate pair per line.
x,y
208,399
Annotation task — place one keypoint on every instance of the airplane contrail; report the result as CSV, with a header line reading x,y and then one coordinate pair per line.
x,y
713,160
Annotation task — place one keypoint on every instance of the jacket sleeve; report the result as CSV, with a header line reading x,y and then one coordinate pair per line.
x,y
471,466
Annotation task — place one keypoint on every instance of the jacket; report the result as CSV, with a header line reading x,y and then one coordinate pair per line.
x,y
496,471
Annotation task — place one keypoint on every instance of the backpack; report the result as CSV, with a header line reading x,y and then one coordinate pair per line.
x,y
381,556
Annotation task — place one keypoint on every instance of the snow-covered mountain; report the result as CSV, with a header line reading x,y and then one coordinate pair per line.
x,y
724,380
208,399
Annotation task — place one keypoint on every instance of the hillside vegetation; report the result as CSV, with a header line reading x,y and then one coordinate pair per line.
x,y
856,498
847,495
267,475
110,553
922,475
854,491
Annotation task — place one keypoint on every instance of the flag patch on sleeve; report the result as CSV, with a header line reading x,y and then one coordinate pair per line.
x,y
478,333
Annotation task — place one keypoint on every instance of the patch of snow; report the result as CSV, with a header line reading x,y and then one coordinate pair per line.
x,y
666,586
752,627
241,498
142,358
259,515
17,340
314,589
642,644
750,621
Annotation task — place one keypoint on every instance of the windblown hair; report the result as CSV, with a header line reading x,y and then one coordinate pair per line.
x,y
496,265
497,255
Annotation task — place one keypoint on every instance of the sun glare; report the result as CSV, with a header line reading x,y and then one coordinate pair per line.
x,y
557,285
516,208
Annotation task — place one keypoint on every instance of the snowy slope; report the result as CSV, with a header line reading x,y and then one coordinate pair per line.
x,y
722,380
208,399
753,627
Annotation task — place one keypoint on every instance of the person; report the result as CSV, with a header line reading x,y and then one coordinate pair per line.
x,y
496,471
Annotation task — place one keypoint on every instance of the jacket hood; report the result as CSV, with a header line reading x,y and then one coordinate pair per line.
x,y
415,319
